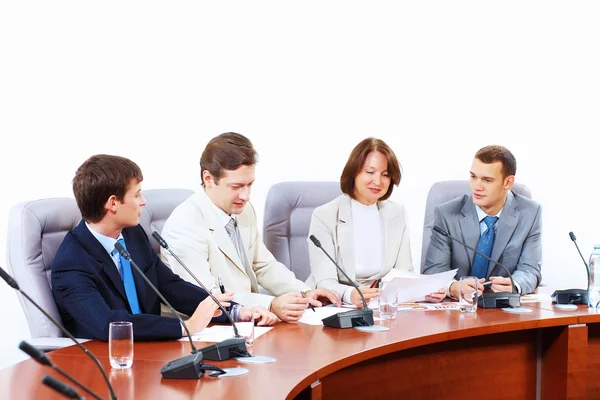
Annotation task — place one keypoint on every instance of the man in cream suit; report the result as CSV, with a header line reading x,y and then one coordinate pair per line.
x,y
215,233
503,225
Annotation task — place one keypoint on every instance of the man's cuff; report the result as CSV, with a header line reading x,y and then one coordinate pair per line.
x,y
448,290
518,287
347,296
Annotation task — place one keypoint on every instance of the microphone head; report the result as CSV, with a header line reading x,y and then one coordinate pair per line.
x,y
572,235
122,250
315,240
34,353
440,231
9,279
60,387
160,240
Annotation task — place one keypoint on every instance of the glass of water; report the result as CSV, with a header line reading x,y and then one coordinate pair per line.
x,y
120,344
244,321
468,294
388,302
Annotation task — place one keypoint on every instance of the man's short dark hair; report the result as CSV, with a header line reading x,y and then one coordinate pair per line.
x,y
495,153
100,177
228,151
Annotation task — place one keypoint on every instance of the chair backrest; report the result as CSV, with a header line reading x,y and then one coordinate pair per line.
x,y
35,231
160,203
444,191
288,210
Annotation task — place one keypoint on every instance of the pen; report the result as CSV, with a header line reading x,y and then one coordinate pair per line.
x,y
222,287
487,283
221,284
310,305
374,284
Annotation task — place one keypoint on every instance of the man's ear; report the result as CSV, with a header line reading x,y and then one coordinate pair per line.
x,y
207,179
111,204
509,181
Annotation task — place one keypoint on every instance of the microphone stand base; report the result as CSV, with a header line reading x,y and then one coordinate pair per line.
x,y
225,350
350,319
570,296
499,300
188,367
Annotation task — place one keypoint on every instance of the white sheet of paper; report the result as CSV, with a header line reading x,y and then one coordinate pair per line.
x,y
311,317
415,288
218,333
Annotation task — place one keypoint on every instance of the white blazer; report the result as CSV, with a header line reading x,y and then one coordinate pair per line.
x,y
331,223
197,236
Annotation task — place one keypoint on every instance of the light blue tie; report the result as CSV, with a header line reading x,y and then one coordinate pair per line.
x,y
128,282
486,242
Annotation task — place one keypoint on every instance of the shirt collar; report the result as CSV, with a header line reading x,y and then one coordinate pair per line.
x,y
106,241
223,217
481,214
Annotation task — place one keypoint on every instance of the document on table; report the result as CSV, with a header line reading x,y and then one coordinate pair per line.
x,y
218,333
416,287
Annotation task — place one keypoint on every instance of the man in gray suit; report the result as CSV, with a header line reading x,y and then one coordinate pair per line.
x,y
503,225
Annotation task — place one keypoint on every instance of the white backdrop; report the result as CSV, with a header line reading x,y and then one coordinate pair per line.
x,y
437,80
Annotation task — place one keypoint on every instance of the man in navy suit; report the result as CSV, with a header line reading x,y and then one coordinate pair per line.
x,y
93,285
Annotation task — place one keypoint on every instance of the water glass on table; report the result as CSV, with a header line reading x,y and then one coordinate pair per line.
x,y
244,323
120,344
468,294
388,302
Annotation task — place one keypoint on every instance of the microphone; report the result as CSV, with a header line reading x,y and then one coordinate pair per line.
x,y
227,349
61,388
43,359
573,296
351,318
490,300
188,367
12,283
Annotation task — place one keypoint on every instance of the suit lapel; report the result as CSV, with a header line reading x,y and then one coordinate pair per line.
x,y
346,237
218,231
506,227
95,249
388,223
469,226
246,235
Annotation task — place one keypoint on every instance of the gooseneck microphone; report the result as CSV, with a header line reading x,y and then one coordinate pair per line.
x,y
61,388
574,296
43,359
351,318
12,283
234,347
188,367
490,300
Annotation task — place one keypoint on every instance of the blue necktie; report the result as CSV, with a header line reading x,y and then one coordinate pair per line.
x,y
128,282
486,242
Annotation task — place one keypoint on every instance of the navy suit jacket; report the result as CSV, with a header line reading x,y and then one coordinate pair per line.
x,y
89,292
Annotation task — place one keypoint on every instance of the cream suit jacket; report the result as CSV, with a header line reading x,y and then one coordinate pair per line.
x,y
332,225
197,236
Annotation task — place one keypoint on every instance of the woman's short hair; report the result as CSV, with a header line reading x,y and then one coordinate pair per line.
x,y
356,162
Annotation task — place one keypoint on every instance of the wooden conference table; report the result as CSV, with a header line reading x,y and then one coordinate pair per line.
x,y
425,355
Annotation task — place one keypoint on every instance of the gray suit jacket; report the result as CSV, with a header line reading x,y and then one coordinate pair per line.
x,y
518,242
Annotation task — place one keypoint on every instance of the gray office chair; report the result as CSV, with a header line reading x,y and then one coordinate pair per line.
x,y
288,209
160,203
35,231
442,192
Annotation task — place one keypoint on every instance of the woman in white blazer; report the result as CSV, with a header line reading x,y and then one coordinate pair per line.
x,y
362,230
